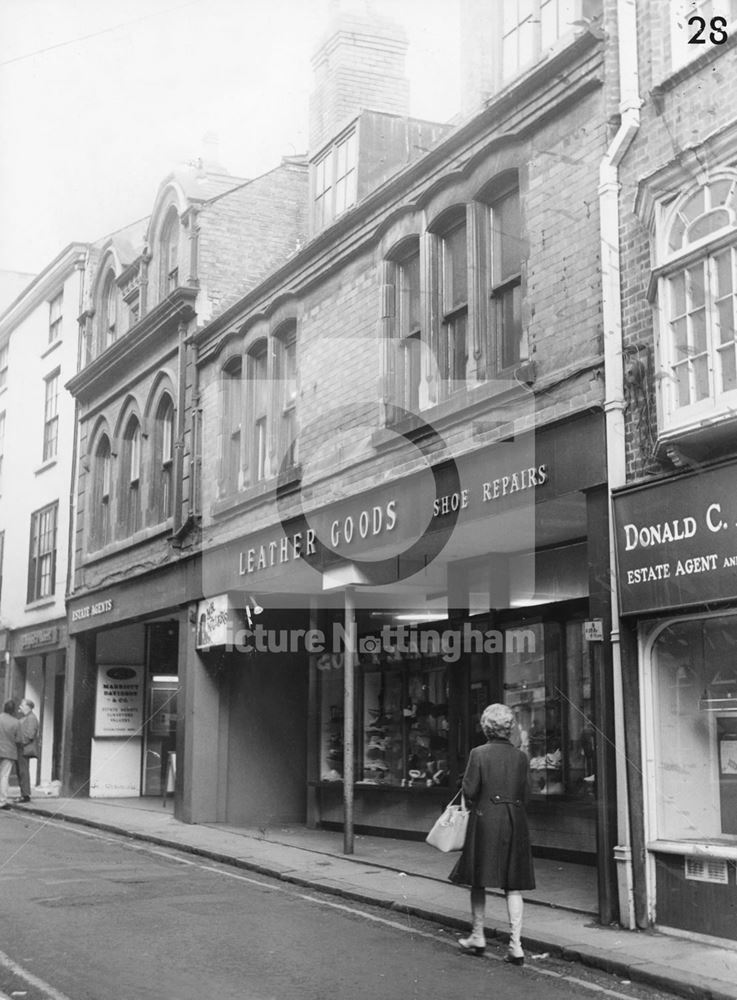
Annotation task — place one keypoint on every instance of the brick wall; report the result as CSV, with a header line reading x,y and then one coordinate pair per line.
x,y
247,233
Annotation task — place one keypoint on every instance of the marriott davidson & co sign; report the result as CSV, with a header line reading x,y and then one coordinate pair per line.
x,y
677,542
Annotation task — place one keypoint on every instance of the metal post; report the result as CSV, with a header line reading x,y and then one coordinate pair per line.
x,y
348,712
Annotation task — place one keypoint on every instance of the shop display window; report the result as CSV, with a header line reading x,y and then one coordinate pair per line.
x,y
694,673
401,726
405,722
547,683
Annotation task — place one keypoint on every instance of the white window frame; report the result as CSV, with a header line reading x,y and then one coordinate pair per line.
x,y
534,27
56,318
51,415
703,253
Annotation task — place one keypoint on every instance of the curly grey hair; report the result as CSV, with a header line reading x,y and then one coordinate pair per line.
x,y
497,720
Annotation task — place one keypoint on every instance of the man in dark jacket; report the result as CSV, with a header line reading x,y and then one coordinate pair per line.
x,y
10,736
27,747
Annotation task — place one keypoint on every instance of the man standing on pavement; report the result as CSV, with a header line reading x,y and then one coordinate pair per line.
x,y
27,747
10,736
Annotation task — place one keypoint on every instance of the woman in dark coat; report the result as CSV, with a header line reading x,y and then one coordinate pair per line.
x,y
497,851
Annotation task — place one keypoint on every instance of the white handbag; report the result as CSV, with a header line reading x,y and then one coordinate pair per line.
x,y
449,832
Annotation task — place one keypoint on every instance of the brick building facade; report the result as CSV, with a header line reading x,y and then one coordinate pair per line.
x,y
210,237
675,512
404,423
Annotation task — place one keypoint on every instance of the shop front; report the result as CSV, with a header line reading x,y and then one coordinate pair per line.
x,y
485,580
125,649
677,562
37,668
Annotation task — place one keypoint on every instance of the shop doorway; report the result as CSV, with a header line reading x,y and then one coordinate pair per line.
x,y
56,740
160,715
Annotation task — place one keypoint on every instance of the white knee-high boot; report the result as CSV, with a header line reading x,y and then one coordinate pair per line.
x,y
515,908
475,943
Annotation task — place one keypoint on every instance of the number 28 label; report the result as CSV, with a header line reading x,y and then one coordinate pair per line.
x,y
717,30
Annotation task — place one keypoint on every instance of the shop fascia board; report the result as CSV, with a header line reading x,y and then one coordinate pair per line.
x,y
547,91
105,370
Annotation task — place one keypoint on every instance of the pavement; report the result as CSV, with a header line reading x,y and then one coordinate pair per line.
x,y
411,877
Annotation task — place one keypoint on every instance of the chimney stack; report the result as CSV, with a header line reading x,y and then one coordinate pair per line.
x,y
360,64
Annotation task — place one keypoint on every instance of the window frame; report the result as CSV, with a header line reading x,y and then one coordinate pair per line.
x,y
258,439
56,317
671,262
51,416
42,562
500,283
4,364
169,253
285,357
109,312
408,334
131,477
231,427
163,460
100,523
454,314
537,44
335,179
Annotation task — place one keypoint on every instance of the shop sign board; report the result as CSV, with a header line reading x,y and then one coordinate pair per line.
x,y
92,610
119,706
676,542
414,517
217,618
39,637
593,630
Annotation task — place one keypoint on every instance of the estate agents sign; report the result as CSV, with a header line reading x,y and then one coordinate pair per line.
x,y
677,542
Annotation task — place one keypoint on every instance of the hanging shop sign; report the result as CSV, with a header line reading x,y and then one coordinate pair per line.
x,y
217,619
677,542
119,705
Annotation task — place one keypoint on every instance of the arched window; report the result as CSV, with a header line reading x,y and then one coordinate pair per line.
x,y
100,512
232,417
285,352
507,340
405,336
169,261
161,485
451,279
130,476
258,439
697,298
108,324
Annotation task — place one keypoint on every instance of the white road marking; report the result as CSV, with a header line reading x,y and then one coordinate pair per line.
x,y
29,977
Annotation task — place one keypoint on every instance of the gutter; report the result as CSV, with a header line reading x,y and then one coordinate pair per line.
x,y
609,219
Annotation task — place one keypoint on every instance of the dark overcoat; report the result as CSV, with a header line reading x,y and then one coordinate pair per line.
x,y
496,852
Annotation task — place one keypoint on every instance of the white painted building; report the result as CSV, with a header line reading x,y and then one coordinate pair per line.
x,y
38,355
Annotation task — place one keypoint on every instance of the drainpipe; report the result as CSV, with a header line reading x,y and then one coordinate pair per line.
x,y
609,187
